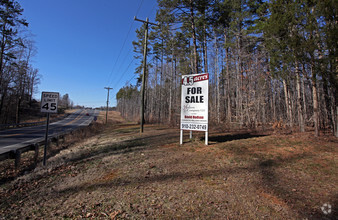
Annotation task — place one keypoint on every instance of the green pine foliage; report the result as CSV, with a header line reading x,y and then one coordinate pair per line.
x,y
268,60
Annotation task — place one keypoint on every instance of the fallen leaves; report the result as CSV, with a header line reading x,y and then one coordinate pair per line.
x,y
114,214
172,181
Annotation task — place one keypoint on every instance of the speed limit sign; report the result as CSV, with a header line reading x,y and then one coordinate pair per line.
x,y
49,102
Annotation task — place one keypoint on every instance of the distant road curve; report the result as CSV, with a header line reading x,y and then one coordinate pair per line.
x,y
14,139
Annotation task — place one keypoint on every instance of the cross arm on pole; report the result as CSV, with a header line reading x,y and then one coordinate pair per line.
x,y
145,21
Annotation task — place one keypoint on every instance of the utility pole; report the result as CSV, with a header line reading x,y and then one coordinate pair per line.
x,y
144,69
108,88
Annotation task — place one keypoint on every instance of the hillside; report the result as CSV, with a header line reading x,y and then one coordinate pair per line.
x,y
119,174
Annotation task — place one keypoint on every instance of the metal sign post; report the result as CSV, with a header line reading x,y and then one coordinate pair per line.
x,y
194,104
49,104
46,141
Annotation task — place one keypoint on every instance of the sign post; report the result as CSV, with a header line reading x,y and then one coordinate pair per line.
x,y
46,141
194,104
49,104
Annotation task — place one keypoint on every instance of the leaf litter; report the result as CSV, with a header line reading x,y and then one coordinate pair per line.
x,y
120,174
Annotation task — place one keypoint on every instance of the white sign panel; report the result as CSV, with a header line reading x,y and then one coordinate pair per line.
x,y
49,102
194,102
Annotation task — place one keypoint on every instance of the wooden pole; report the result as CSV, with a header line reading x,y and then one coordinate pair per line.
x,y
144,75
144,71
108,88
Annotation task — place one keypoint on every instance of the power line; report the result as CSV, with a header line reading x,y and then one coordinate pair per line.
x,y
125,58
131,79
151,10
111,73
110,79
125,40
139,7
117,82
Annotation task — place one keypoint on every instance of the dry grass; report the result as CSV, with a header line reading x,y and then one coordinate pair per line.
x,y
120,174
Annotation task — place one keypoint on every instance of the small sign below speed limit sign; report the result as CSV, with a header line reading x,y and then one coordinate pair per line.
x,y
49,102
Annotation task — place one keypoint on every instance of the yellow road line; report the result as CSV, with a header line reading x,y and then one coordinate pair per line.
x,y
77,118
10,135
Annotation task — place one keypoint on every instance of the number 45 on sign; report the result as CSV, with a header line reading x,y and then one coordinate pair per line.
x,y
49,102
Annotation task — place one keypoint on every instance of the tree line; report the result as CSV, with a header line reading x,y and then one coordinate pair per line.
x,y
270,62
18,78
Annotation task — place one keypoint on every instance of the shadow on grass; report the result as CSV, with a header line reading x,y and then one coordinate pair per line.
x,y
277,178
127,146
108,150
225,138
136,144
293,191
144,180
265,168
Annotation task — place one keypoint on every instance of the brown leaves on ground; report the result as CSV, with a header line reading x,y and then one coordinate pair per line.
x,y
120,174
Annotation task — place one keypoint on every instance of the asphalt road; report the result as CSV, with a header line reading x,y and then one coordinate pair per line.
x,y
13,139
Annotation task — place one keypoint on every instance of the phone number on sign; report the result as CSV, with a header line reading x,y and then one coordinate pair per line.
x,y
194,127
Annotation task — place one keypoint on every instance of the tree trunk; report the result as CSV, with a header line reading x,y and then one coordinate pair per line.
x,y
171,93
288,103
239,83
273,104
17,115
328,102
192,20
216,101
299,101
336,119
2,52
304,102
205,49
2,102
315,104
228,97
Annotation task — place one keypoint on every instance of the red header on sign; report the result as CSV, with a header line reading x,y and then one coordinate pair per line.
x,y
201,77
190,80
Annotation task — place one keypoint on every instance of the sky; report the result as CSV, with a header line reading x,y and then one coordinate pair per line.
x,y
85,45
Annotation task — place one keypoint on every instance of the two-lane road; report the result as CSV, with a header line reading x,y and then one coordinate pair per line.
x,y
13,139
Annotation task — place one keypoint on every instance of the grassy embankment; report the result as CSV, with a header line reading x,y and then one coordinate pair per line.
x,y
118,173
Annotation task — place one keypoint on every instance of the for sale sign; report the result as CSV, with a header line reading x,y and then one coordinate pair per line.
x,y
194,102
49,102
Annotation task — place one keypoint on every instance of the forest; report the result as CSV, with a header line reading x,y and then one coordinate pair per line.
x,y
18,78
271,63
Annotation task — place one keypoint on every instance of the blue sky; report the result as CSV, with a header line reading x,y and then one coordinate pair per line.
x,y
85,45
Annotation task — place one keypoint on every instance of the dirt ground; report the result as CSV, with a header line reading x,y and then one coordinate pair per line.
x,y
117,173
